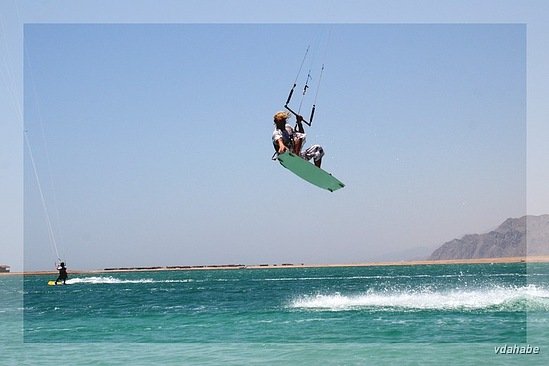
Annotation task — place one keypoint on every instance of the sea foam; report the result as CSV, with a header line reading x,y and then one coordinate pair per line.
x,y
113,281
497,298
105,280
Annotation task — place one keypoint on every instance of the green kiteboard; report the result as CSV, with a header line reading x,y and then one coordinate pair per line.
x,y
309,172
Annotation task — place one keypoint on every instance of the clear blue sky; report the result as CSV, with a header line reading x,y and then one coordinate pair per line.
x,y
153,141
157,139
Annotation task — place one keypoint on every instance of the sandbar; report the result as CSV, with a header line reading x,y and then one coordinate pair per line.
x,y
528,259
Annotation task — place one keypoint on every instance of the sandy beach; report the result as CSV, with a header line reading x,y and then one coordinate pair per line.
x,y
529,259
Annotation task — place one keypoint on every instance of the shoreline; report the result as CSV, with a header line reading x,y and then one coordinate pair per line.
x,y
527,259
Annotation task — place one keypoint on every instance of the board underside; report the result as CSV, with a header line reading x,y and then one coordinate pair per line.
x,y
309,172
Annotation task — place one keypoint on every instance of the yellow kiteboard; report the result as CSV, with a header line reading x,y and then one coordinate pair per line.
x,y
52,283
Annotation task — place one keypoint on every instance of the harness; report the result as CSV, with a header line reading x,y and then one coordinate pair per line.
x,y
287,140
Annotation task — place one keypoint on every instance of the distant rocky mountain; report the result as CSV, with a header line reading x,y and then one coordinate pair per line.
x,y
508,240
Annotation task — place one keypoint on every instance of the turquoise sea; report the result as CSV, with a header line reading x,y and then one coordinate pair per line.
x,y
423,314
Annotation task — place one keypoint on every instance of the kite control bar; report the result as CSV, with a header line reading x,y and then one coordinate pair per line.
x,y
308,123
304,91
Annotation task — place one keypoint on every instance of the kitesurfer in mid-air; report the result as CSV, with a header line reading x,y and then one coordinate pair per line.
x,y
62,273
286,139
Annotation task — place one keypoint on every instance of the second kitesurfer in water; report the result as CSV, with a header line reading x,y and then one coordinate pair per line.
x,y
62,273
285,138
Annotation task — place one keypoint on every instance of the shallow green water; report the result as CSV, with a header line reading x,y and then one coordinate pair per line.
x,y
295,315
